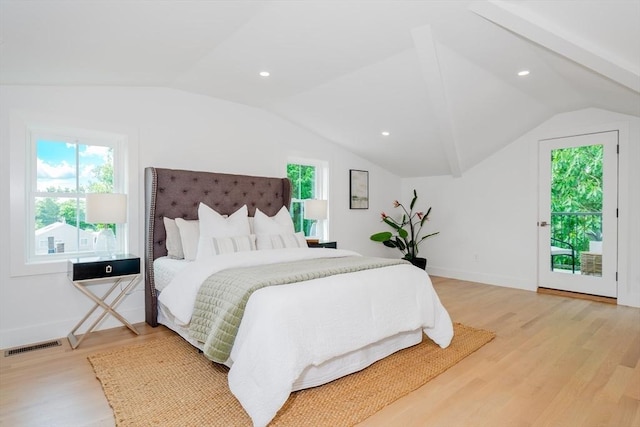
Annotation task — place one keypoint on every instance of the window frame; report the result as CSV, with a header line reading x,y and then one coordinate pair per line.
x,y
321,188
21,123
77,137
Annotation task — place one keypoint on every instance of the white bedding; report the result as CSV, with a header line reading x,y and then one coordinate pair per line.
x,y
180,295
165,269
288,329
330,370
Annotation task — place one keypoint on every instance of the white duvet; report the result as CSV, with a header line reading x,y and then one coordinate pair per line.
x,y
287,328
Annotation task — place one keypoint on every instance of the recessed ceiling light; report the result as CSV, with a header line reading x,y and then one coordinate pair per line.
x,y
523,73
265,73
385,133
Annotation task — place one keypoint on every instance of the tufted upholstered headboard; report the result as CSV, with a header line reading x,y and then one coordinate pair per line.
x,y
175,193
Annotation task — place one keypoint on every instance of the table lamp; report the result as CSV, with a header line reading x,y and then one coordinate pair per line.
x,y
316,210
105,209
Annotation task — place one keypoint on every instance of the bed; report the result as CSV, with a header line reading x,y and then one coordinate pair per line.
x,y
333,313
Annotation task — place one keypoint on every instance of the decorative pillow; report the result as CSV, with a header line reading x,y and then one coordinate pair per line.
x,y
212,224
189,234
209,246
280,223
173,243
281,241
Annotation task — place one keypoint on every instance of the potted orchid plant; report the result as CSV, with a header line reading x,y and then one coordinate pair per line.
x,y
406,232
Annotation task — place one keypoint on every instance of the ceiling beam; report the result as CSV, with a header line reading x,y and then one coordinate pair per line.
x,y
430,67
552,37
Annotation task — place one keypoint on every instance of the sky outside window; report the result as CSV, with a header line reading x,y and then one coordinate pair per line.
x,y
56,164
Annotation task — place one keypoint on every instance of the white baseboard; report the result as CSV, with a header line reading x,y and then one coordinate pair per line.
x,y
626,299
489,279
59,330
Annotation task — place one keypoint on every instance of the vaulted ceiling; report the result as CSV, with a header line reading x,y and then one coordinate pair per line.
x,y
439,76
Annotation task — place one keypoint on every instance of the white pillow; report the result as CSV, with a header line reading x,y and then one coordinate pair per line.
x,y
212,224
173,243
280,223
189,234
225,245
281,241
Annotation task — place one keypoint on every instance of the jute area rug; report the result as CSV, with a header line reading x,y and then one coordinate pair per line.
x,y
165,382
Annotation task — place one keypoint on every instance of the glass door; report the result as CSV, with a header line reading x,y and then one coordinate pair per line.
x,y
577,219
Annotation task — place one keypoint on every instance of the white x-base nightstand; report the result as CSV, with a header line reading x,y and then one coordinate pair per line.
x,y
123,269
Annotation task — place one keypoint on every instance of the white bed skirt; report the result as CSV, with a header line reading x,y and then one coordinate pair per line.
x,y
332,369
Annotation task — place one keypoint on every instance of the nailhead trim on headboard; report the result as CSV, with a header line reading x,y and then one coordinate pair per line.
x,y
174,193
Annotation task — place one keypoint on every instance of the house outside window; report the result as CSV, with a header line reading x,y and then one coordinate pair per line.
x,y
309,181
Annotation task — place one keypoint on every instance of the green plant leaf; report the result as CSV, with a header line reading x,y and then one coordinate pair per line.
x,y
428,235
389,243
382,236
391,223
403,233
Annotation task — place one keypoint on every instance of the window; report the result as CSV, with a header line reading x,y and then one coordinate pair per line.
x,y
309,181
66,164
26,128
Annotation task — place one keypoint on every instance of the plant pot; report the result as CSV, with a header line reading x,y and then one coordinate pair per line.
x,y
419,262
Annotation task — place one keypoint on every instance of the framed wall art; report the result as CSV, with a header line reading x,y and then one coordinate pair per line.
x,y
358,189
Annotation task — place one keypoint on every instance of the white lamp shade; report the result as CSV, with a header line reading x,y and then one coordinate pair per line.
x,y
315,209
106,208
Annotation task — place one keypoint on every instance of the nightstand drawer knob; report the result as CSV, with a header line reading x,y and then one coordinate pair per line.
x,y
108,269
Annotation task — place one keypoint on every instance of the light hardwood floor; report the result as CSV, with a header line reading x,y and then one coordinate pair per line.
x,y
556,361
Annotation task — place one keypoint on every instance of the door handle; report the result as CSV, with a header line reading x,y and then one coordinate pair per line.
x,y
543,223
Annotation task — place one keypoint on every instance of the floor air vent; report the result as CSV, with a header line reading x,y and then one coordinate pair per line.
x,y
20,350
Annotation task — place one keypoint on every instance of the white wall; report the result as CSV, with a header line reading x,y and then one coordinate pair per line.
x,y
173,129
487,217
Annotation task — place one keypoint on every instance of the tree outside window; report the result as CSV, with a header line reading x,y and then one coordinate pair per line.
x,y
576,196
308,181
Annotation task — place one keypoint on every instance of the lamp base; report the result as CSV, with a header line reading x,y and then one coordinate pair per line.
x,y
105,244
